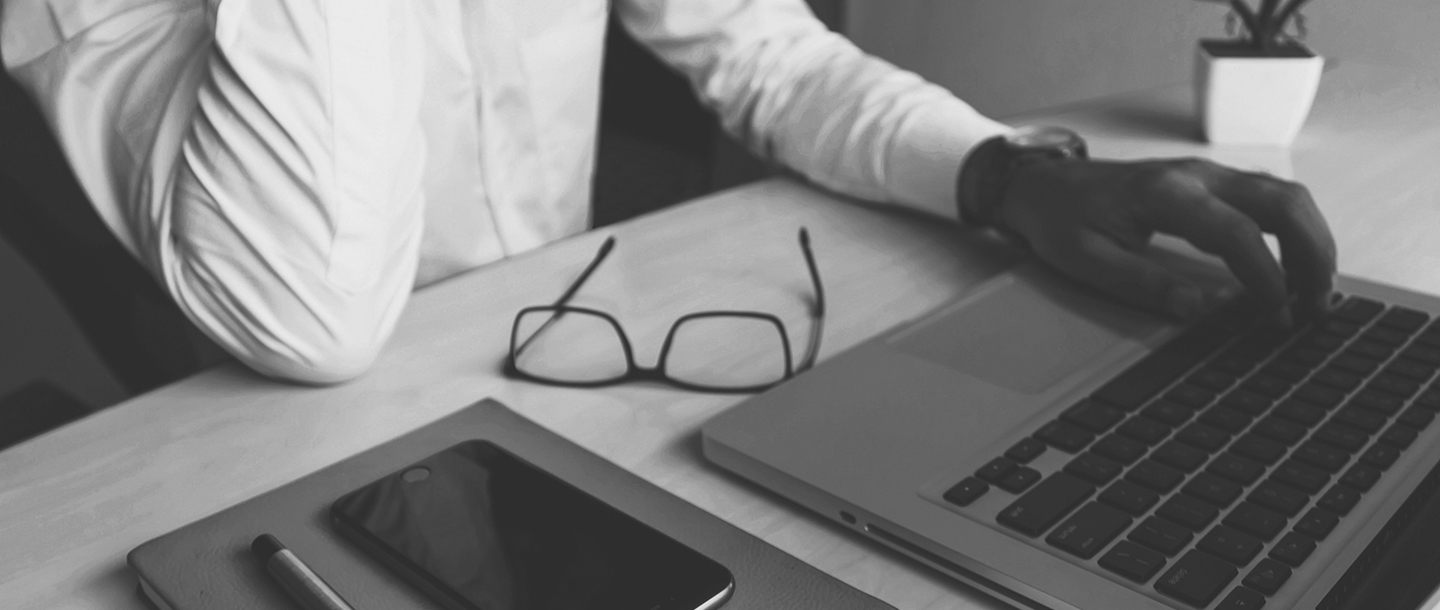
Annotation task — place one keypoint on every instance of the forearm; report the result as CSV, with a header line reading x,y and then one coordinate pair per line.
x,y
808,98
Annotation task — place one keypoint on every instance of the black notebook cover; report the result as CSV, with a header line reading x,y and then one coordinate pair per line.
x,y
208,564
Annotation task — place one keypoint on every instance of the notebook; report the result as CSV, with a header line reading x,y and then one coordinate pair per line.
x,y
1062,451
208,563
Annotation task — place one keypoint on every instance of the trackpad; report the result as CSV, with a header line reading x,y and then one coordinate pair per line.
x,y
1023,333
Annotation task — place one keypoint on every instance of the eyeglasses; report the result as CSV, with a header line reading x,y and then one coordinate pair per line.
x,y
708,351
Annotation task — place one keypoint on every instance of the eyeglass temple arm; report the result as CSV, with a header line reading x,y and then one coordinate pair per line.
x,y
570,292
817,311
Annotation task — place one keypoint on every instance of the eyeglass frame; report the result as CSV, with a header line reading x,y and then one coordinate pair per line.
x,y
635,372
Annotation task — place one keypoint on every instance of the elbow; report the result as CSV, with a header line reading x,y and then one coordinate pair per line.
x,y
328,361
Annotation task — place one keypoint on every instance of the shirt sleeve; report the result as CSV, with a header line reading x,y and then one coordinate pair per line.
x,y
795,92
260,157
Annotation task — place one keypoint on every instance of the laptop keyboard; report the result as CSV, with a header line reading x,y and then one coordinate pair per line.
x,y
1227,454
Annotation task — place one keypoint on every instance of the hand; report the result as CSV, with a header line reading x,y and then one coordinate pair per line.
x,y
1089,218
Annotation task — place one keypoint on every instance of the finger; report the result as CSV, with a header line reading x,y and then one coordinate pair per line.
x,y
1213,226
1097,260
1286,209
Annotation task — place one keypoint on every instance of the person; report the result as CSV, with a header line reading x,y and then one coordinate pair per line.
x,y
290,170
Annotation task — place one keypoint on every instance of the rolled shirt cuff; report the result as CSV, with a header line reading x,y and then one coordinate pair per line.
x,y
929,149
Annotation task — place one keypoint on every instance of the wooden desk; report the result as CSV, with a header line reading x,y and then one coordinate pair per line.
x,y
74,501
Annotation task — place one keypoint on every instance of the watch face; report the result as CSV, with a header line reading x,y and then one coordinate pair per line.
x,y
1057,140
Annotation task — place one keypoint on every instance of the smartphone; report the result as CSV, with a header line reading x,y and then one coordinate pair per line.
x,y
478,528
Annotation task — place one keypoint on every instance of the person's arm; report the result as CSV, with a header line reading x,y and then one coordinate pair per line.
x,y
802,95
261,158
808,98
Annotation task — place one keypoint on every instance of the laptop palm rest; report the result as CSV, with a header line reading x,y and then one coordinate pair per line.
x,y
1023,336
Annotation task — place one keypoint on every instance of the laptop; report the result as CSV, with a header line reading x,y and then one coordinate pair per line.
x,y
1059,450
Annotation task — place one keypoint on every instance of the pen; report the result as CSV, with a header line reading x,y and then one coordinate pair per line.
x,y
302,583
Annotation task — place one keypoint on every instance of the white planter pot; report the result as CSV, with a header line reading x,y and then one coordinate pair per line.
x,y
1254,100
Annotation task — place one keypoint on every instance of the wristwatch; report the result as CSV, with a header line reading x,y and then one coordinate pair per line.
x,y
987,173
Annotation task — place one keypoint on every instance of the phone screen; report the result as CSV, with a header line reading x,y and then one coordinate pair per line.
x,y
478,528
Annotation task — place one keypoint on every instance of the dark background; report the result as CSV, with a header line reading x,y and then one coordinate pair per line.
x,y
83,326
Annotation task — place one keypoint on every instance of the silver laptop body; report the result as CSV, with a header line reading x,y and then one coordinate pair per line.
x,y
875,436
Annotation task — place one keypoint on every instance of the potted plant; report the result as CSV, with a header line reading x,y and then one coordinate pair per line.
x,y
1257,87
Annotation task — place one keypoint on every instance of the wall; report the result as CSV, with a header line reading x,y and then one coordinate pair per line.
x,y
1010,56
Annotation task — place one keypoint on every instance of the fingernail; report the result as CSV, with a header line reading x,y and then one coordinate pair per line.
x,y
1184,302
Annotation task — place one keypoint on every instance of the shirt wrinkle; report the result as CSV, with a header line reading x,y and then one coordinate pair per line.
x,y
291,224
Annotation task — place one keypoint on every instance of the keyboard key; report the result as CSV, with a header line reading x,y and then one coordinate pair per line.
x,y
1339,378
1190,396
1093,468
1258,449
1355,363
1405,319
1231,545
1289,372
1360,477
1144,429
1305,356
996,469
1203,436
1380,456
1429,400
1132,561
1344,437
1180,456
1413,370
1089,530
1197,578
1339,328
1319,395
1359,310
1316,524
966,491
1368,421
1045,503
1020,480
1065,437
1236,468
1373,350
1416,418
1378,402
1162,535
1399,436
1226,419
1120,449
1241,598
1300,476
1212,489
1300,412
1132,388
1129,497
1398,386
1211,379
1233,366
1389,336
1154,475
1320,455
1255,520
1265,385
1267,576
1277,429
1189,512
1429,354
1280,498
1168,412
1339,500
1093,416
1246,401
1293,549
1025,450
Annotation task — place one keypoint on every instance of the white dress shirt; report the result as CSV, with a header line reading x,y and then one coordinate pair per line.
x,y
290,169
